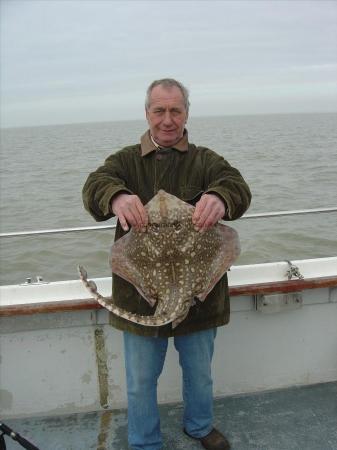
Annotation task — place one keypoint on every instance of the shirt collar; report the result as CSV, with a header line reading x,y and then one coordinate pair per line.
x,y
148,145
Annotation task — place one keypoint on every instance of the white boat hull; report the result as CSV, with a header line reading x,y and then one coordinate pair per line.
x,y
69,362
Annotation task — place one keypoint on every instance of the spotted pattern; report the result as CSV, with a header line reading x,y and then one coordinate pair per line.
x,y
170,263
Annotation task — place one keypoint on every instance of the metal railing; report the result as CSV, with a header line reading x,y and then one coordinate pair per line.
x,y
110,227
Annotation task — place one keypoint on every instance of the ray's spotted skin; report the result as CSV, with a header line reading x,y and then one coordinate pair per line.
x,y
170,263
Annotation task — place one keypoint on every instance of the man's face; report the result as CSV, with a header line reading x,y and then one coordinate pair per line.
x,y
166,115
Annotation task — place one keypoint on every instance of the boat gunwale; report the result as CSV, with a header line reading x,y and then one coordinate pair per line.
x,y
286,286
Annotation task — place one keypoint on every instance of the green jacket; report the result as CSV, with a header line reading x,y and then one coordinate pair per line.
x,y
187,172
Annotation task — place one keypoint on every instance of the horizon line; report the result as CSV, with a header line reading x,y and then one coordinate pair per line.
x,y
191,117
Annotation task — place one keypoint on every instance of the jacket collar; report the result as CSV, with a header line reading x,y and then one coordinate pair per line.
x,y
147,145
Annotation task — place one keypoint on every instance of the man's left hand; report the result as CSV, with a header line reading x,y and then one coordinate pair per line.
x,y
208,211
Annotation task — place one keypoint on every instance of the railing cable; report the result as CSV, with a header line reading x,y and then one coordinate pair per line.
x,y
113,226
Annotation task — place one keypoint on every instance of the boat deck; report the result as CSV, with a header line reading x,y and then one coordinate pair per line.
x,y
297,418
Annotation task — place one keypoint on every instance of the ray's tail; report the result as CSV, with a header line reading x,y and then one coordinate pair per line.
x,y
141,320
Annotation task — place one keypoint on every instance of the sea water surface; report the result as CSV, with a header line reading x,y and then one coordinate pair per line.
x,y
289,161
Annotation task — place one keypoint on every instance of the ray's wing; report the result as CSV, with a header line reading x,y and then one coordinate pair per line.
x,y
220,250
128,268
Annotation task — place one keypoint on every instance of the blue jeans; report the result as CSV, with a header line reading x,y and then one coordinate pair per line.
x,y
144,360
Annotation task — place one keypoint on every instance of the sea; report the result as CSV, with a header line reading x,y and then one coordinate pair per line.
x,y
288,160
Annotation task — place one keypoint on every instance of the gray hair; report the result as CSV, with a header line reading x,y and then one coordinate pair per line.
x,y
167,83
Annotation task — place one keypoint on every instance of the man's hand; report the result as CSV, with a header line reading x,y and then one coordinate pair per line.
x,y
130,211
209,209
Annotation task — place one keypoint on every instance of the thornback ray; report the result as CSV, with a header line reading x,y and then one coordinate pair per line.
x,y
170,263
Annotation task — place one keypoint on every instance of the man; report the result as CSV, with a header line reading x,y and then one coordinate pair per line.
x,y
166,160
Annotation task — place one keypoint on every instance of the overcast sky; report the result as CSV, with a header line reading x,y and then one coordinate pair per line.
x,y
65,61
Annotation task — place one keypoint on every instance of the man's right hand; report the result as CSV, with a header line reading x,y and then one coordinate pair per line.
x,y
130,211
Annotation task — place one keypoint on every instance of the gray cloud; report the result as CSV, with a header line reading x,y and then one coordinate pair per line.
x,y
94,59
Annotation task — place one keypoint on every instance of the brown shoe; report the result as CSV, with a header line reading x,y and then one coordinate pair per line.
x,y
213,441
